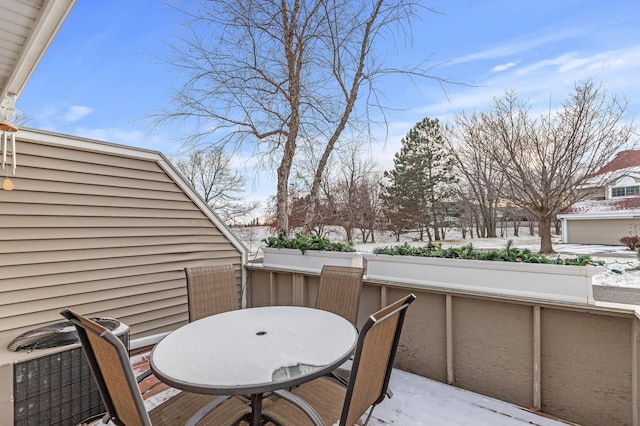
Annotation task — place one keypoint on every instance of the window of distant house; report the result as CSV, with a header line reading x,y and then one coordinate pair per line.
x,y
625,191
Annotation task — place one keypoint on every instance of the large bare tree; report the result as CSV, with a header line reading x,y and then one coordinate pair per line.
x,y
481,178
280,73
545,159
348,189
210,174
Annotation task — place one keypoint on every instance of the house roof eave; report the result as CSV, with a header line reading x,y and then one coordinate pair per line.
x,y
45,22
629,214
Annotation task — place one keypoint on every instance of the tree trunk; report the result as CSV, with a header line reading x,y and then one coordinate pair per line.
x,y
516,227
282,202
428,231
435,219
348,230
544,229
350,99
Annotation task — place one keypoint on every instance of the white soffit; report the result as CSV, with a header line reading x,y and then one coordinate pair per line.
x,y
27,28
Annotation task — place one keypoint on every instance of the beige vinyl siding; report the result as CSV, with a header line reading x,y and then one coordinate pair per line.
x,y
102,229
591,194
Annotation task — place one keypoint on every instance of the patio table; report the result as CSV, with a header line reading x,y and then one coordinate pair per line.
x,y
253,351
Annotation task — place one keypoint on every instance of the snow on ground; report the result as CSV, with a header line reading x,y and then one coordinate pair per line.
x,y
618,259
419,401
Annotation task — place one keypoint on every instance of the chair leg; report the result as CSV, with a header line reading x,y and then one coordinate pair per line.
x,y
369,416
202,412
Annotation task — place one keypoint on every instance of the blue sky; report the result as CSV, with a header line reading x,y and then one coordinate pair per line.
x,y
101,74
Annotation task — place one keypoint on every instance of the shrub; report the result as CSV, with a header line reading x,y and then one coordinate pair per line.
x,y
303,243
631,242
507,254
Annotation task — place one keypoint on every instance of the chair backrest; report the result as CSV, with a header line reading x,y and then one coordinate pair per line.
x,y
373,361
109,362
339,291
211,290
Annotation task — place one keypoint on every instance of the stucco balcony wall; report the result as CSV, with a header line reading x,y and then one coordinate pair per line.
x,y
574,361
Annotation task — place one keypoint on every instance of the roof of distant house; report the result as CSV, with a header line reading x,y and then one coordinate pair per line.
x,y
625,163
630,205
622,160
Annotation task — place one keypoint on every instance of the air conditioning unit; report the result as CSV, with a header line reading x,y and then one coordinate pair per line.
x,y
52,386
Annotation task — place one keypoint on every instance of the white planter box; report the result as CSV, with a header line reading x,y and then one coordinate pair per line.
x,y
538,281
310,261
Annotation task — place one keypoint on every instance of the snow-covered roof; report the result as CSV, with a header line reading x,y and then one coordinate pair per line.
x,y
619,207
611,177
623,160
625,163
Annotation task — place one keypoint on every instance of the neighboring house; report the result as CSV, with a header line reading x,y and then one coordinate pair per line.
x,y
612,208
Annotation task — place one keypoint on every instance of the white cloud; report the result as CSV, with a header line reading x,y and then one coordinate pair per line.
x,y
511,48
504,67
545,82
76,112
118,136
612,62
97,134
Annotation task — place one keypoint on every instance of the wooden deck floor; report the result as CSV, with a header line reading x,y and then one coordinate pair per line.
x,y
149,386
416,401
465,408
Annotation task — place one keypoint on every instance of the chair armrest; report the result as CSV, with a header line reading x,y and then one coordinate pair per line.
x,y
302,405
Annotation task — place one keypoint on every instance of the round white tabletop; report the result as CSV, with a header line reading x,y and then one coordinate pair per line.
x,y
254,350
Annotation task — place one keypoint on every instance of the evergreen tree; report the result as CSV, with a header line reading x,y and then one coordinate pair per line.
x,y
419,186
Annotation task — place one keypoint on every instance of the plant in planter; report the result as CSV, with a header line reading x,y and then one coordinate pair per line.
x,y
508,271
308,254
507,254
303,243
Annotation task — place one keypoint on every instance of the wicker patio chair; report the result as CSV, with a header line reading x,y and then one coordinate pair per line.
x,y
339,291
109,362
211,290
323,401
